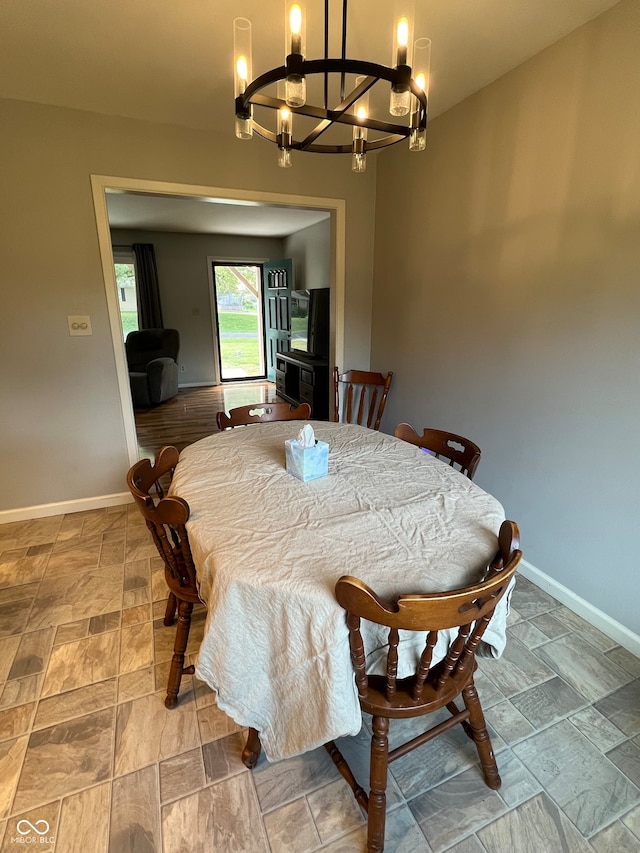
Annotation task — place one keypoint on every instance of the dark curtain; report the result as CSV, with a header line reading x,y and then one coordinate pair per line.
x,y
149,308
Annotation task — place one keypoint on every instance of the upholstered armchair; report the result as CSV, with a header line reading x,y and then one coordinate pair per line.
x,y
152,356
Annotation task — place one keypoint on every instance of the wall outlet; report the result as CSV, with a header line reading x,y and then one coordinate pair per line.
x,y
182,368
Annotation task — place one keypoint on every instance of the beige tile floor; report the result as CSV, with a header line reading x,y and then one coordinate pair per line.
x,y
90,757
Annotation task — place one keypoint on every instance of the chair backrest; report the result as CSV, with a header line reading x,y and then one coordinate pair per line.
x,y
469,610
165,516
456,449
360,394
144,345
259,413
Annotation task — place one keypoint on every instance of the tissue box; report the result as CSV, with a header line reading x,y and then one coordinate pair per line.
x,y
307,463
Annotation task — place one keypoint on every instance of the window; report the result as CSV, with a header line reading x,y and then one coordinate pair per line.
x,y
124,265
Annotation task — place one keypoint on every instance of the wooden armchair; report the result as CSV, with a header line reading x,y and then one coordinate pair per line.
x,y
357,393
259,413
166,518
456,449
386,697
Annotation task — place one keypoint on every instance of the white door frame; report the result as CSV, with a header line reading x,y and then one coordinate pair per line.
x,y
101,184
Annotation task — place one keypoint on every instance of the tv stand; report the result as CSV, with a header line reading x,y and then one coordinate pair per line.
x,y
304,378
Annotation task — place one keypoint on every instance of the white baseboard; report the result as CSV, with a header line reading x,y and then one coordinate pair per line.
x,y
62,507
618,632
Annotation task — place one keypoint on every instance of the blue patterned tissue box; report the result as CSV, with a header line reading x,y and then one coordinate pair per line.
x,y
307,463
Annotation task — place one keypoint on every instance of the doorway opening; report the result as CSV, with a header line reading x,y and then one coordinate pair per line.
x,y
232,200
237,296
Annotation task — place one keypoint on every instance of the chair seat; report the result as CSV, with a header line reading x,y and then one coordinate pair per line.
x,y
184,591
403,704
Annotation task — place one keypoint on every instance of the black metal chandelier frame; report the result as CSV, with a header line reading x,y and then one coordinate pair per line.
x,y
399,77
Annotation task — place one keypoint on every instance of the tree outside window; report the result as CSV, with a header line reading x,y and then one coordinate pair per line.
x,y
127,297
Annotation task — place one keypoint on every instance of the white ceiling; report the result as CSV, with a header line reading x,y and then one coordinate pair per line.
x,y
207,216
170,61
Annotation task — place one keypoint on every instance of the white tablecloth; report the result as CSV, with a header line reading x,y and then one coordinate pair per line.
x,y
269,548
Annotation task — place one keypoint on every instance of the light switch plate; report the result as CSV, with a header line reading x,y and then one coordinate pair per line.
x,y
79,324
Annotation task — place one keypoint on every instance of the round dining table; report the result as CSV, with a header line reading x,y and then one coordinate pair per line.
x,y
268,549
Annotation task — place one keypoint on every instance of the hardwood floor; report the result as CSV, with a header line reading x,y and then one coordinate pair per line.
x,y
192,414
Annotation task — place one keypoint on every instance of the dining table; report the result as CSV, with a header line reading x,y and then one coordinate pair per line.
x,y
268,549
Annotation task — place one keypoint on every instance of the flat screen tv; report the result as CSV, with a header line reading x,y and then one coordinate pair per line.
x,y
310,321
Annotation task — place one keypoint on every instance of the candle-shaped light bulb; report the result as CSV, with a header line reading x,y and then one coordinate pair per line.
x,y
400,101
359,154
361,111
285,130
403,41
284,121
295,83
244,128
295,25
242,69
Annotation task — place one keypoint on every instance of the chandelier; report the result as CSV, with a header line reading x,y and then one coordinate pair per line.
x,y
407,78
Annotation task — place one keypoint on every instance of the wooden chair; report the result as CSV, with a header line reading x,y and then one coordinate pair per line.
x,y
259,413
360,391
456,449
166,518
386,697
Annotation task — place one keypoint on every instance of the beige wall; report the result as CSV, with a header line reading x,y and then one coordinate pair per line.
x,y
507,299
61,418
183,277
310,250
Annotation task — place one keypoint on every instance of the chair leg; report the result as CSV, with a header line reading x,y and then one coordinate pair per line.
x,y
177,662
252,749
362,798
453,709
378,785
481,736
170,612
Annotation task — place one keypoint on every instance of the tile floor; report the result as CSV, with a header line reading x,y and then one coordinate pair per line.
x,y
88,750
